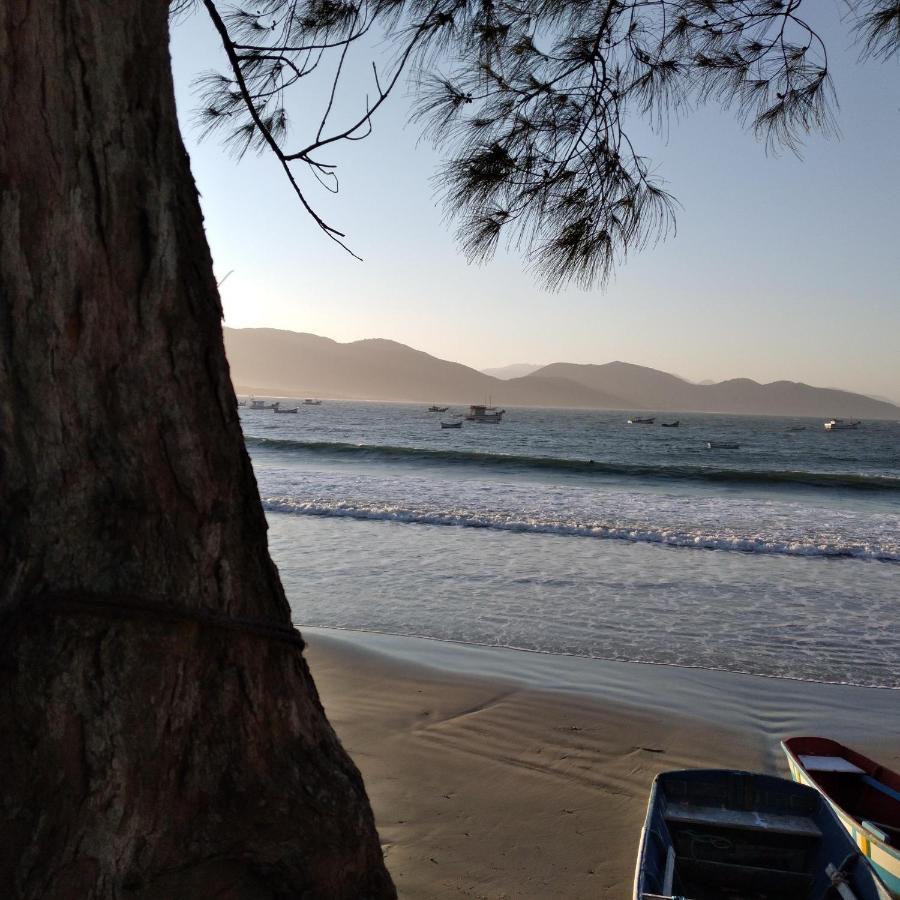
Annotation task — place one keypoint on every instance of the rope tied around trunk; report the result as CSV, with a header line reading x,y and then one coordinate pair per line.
x,y
123,606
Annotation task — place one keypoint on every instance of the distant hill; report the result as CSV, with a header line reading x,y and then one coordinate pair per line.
x,y
516,370
288,363
652,389
292,364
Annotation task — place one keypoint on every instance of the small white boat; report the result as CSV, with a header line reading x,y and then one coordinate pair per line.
x,y
451,424
484,414
638,420
257,404
438,408
309,401
285,410
722,445
841,425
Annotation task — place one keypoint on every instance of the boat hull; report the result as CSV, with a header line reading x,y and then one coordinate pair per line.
x,y
712,833
884,859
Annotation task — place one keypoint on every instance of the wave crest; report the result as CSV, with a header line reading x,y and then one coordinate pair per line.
x,y
501,461
521,524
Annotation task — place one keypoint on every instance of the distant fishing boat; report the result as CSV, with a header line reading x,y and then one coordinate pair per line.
x,y
451,424
674,424
841,425
638,420
438,408
713,834
257,404
864,795
722,445
285,410
309,401
484,414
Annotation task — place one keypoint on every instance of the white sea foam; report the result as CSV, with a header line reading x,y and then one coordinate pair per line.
x,y
808,618
714,523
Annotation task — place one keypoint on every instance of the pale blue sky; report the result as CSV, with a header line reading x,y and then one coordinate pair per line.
x,y
781,268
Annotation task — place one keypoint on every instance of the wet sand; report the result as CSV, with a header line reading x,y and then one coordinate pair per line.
x,y
502,774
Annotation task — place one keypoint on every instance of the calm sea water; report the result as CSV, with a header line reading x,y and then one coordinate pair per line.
x,y
572,532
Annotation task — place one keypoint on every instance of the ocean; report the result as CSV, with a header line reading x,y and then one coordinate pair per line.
x,y
571,532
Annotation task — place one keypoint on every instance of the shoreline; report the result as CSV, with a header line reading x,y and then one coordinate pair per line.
x,y
499,773
370,640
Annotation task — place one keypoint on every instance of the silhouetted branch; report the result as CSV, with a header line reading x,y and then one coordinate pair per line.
x,y
532,101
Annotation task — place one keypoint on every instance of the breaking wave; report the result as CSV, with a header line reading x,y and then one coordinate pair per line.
x,y
726,539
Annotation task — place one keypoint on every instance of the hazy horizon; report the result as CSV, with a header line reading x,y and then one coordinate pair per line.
x,y
782,269
278,357
493,368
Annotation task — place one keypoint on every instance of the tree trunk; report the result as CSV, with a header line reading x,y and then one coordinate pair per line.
x,y
160,734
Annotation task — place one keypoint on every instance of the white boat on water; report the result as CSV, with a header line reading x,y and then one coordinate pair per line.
x,y
637,420
841,425
309,401
285,410
484,414
722,445
257,404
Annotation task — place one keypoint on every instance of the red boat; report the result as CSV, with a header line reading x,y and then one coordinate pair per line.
x,y
864,794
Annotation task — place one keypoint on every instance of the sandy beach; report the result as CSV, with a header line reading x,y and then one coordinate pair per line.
x,y
502,774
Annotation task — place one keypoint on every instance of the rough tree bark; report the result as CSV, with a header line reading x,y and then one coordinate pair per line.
x,y
160,734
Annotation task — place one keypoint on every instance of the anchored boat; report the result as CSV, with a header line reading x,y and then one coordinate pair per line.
x,y
864,795
484,414
841,425
713,834
638,420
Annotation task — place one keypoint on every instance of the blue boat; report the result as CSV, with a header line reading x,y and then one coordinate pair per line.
x,y
714,834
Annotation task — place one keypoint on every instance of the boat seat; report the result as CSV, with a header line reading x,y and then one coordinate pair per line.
x,y
829,764
878,829
752,880
751,820
874,783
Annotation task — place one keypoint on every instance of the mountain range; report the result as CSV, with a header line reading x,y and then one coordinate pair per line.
x,y
285,363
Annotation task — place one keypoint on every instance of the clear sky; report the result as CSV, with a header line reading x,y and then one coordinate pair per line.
x,y
781,268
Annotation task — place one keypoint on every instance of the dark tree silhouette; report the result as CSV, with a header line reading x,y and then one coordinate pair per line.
x,y
533,101
160,734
